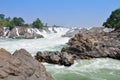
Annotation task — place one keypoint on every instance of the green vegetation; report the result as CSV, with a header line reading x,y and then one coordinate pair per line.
x,y
37,23
18,21
114,20
2,16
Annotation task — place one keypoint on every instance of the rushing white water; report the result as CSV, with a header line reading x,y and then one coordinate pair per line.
x,y
17,32
52,41
94,69
6,30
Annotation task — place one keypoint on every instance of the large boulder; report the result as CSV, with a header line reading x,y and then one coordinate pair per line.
x,y
13,33
98,44
94,45
21,66
55,58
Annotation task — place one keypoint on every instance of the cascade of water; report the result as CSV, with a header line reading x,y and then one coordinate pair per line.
x,y
6,30
17,31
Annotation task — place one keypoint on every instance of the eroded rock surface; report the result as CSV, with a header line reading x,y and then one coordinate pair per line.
x,y
21,66
85,46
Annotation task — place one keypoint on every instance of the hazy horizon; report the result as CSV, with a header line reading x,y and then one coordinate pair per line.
x,y
73,13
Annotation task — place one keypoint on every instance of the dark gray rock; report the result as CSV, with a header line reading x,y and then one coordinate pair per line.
x,y
55,58
13,33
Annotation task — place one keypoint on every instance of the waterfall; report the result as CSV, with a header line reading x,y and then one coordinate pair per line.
x,y
17,31
6,31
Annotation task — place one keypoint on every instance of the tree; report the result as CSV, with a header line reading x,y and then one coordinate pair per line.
x,y
18,21
26,25
8,19
2,16
6,23
37,23
114,20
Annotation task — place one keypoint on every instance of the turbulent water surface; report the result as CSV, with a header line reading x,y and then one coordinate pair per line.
x,y
94,69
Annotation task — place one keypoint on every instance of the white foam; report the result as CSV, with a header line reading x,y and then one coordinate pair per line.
x,y
108,29
17,32
6,30
33,45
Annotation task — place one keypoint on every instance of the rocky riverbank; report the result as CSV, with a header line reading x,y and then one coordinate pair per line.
x,y
25,32
85,46
21,66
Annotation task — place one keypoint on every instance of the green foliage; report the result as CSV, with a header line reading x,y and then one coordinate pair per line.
x,y
6,23
18,21
37,23
114,20
26,25
2,16
8,19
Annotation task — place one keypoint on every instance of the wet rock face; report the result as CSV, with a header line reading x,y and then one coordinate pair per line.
x,y
1,31
81,43
13,33
94,45
85,46
21,66
55,58
24,33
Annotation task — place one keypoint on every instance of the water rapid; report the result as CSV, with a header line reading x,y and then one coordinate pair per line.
x,y
94,69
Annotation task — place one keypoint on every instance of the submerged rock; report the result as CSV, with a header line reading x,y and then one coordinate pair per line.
x,y
21,66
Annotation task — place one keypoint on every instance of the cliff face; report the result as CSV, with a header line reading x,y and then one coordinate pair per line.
x,y
21,66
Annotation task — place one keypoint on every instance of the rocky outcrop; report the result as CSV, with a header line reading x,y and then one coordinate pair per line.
x,y
86,46
95,30
55,58
72,32
95,45
21,66
26,33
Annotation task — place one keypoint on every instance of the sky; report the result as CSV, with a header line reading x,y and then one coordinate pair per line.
x,y
69,13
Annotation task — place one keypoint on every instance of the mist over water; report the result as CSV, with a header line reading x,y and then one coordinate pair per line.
x,y
94,69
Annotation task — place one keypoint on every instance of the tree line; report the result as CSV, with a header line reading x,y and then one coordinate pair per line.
x,y
18,21
112,22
